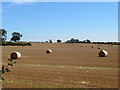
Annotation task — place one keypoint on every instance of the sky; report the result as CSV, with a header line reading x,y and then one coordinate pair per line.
x,y
41,21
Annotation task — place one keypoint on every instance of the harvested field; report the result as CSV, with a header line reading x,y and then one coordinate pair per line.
x,y
68,66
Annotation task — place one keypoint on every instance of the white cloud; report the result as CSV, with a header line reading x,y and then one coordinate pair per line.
x,y
20,0
18,3
11,3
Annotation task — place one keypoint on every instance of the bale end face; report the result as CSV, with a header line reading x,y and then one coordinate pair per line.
x,y
99,47
48,51
103,53
13,56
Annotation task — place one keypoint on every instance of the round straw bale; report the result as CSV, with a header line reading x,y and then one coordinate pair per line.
x,y
81,45
103,53
92,46
15,55
48,51
99,47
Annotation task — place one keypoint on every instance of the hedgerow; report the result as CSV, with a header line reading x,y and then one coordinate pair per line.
x,y
16,44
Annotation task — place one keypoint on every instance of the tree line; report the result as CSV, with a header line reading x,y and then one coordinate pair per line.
x,y
72,40
16,36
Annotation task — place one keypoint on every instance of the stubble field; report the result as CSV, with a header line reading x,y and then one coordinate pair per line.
x,y
68,66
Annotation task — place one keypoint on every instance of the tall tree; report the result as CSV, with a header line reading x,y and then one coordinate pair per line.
x,y
16,36
3,35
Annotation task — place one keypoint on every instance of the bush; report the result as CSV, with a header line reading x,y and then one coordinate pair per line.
x,y
16,44
5,69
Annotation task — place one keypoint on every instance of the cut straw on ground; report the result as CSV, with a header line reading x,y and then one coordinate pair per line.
x,y
75,67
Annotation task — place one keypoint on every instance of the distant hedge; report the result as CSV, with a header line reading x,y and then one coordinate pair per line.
x,y
112,43
16,44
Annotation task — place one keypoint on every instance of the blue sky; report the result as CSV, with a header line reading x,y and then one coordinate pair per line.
x,y
41,21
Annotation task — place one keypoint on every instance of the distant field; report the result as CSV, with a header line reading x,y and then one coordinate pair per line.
x,y
68,66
